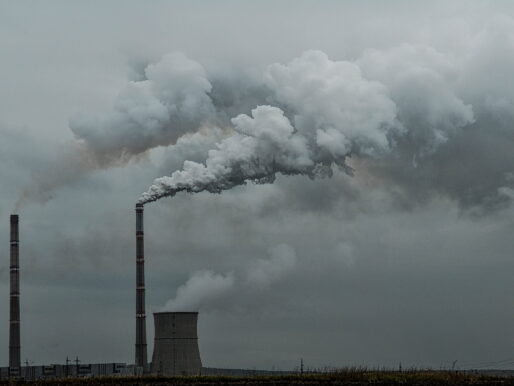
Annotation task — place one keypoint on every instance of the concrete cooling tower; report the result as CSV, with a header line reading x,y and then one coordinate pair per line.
x,y
176,344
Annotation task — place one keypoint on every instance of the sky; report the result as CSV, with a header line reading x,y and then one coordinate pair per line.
x,y
334,180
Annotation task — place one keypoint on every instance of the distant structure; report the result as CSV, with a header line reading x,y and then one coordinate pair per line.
x,y
31,373
176,349
141,352
176,344
14,319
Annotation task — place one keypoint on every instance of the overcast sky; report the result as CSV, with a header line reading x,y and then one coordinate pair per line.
x,y
407,259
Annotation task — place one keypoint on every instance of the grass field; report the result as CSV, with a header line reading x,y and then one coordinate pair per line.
x,y
346,377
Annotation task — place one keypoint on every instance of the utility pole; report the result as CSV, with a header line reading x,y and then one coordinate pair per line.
x,y
67,368
301,366
77,365
26,369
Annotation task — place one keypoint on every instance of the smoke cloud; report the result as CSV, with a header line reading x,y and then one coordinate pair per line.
x,y
163,102
210,290
171,100
422,83
337,113
411,114
202,288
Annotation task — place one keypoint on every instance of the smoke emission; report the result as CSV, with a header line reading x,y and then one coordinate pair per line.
x,y
208,290
404,113
171,99
335,113
163,102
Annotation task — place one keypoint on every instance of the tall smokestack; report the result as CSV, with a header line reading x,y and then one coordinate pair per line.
x,y
141,359
14,320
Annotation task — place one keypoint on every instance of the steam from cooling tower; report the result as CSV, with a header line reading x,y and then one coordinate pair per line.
x,y
206,290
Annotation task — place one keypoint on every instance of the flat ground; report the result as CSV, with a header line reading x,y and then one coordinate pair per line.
x,y
339,378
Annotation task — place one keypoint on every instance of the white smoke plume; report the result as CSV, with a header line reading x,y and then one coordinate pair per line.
x,y
303,117
201,288
172,99
422,82
168,100
192,147
207,289
336,113
333,105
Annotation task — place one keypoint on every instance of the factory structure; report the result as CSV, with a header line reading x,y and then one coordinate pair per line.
x,y
14,297
175,352
141,353
176,349
176,344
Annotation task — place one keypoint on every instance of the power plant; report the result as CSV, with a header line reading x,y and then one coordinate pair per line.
x,y
175,351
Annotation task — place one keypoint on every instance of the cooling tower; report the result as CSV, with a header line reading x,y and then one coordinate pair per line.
x,y
14,320
141,359
176,344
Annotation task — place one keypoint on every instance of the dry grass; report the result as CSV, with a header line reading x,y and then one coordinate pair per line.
x,y
342,377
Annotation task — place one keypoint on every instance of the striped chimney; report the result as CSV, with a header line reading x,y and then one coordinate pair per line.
x,y
14,319
141,353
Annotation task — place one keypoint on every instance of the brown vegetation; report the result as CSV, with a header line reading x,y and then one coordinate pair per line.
x,y
346,377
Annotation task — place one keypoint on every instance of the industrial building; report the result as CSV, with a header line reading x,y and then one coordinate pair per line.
x,y
70,370
175,352
176,349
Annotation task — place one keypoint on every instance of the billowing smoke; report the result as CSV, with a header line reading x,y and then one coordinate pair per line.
x,y
167,99
336,113
422,83
163,102
209,290
171,99
203,287
414,117
321,112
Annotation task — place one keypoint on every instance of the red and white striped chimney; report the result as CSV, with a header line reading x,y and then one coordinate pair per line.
x,y
14,320
141,352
